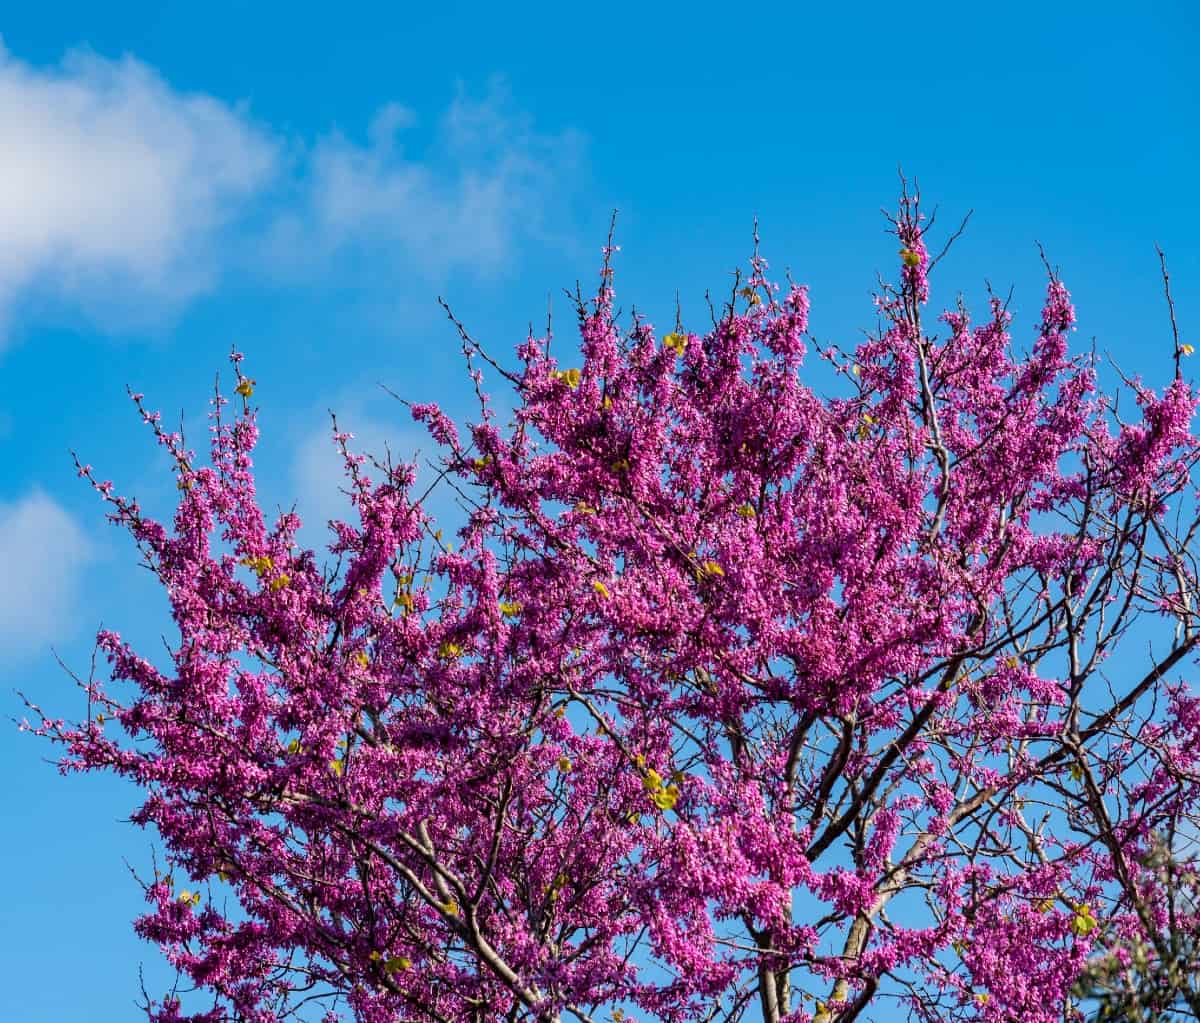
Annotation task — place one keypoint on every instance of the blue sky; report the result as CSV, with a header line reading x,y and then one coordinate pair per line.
x,y
304,180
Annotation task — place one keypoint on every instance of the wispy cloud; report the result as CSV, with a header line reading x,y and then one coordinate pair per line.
x,y
44,553
126,198
485,181
114,187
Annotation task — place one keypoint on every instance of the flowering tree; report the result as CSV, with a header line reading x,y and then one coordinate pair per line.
x,y
731,701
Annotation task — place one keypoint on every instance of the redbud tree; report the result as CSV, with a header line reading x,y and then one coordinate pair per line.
x,y
735,698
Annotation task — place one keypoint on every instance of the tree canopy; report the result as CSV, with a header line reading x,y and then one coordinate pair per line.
x,y
746,692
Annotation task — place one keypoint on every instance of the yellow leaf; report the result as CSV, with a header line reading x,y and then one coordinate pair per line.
x,y
245,387
1187,349
279,582
606,404
564,764
449,651
1044,905
584,508
665,799
600,588
652,780
909,257
512,608
295,747
362,659
1083,923
983,998
676,342
747,511
338,766
712,568
396,964
260,566
450,908
375,956
1076,772
403,600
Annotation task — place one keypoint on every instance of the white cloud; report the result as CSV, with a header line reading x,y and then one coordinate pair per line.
x,y
42,555
114,186
126,198
486,180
